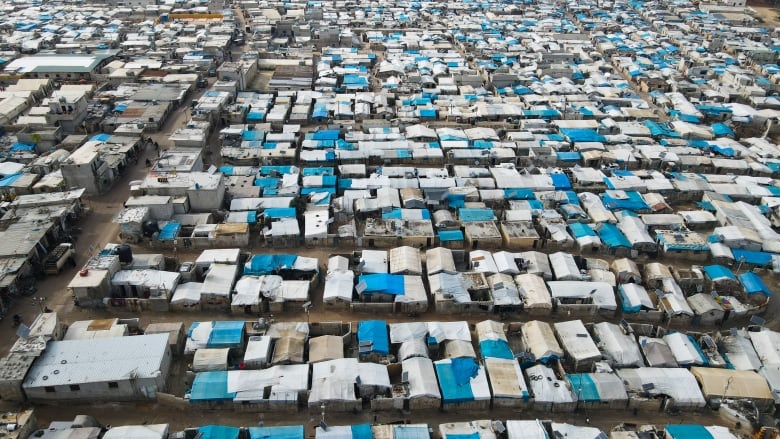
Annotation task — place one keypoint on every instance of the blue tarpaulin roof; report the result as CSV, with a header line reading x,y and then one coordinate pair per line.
x,y
751,257
496,349
632,201
19,146
102,137
569,156
561,181
280,212
582,135
9,180
715,272
580,230
279,432
170,231
211,386
454,379
325,135
450,235
226,334
688,431
362,431
398,213
475,214
586,387
268,264
612,237
753,284
219,432
383,283
721,130
374,332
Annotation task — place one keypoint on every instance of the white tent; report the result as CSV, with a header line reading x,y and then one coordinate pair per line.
x,y
421,377
539,340
531,429
767,345
439,260
258,351
533,291
547,388
564,267
578,344
619,348
684,349
677,383
599,293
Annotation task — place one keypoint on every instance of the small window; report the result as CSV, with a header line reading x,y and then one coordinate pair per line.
x,y
49,389
113,385
75,387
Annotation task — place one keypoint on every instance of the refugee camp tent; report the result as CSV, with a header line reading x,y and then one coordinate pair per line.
x,y
677,383
533,291
530,429
462,380
656,352
620,349
550,393
539,339
685,349
580,348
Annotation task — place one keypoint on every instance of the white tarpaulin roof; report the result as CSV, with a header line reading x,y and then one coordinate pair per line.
x,y
576,341
533,290
601,293
187,293
539,339
575,431
258,349
422,377
683,349
619,348
677,383
767,345
546,387
339,286
532,429
151,431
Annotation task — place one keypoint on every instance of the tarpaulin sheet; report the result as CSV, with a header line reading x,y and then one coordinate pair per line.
x,y
280,432
754,284
226,334
560,181
688,431
519,194
752,257
9,180
450,235
280,212
375,332
474,435
464,369
211,386
612,237
19,146
100,137
451,391
170,231
496,349
219,432
383,283
268,264
715,272
584,387
362,431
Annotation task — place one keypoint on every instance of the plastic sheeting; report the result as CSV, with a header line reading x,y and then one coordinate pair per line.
x,y
657,353
677,383
685,350
598,387
531,429
539,339
462,380
575,339
219,432
546,387
421,377
278,432
373,335
619,348
634,298
767,345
